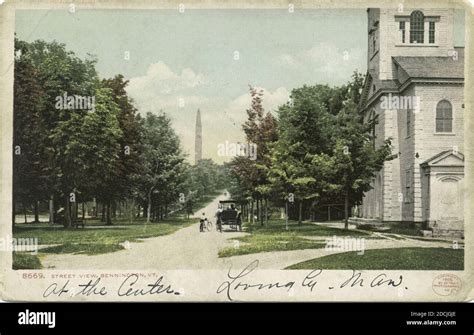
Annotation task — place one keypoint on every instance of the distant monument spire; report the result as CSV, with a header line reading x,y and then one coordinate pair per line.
x,y
198,139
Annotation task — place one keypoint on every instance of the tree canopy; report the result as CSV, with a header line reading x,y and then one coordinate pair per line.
x,y
321,150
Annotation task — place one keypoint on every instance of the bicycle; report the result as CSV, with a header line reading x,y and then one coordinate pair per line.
x,y
207,225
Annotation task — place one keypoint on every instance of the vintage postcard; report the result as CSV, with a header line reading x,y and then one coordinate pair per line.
x,y
236,151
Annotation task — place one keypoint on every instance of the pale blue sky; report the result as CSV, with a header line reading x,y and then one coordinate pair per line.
x,y
190,56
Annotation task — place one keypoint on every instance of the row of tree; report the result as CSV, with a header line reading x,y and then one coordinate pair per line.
x,y
67,155
318,150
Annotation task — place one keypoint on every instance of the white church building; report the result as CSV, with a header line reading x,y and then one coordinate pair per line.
x,y
414,87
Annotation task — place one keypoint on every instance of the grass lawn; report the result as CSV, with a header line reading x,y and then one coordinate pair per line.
x,y
390,259
275,237
83,248
25,261
264,243
95,239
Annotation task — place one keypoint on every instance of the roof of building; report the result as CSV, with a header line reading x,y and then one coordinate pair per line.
x,y
431,67
389,84
442,155
418,69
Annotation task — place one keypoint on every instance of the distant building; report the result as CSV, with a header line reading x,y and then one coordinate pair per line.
x,y
414,86
198,139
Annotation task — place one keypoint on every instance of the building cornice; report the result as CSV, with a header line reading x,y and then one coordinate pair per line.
x,y
406,84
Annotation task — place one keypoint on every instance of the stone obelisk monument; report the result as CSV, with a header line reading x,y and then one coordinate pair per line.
x,y
198,139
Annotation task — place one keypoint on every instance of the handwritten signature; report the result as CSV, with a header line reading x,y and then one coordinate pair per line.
x,y
238,282
130,287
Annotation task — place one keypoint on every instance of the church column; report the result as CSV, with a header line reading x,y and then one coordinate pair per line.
x,y
417,171
391,175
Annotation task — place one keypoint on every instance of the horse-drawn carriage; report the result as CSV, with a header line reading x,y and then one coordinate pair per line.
x,y
228,215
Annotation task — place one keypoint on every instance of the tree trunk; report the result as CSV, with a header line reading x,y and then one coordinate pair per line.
x,y
132,210
252,217
148,213
67,213
36,206
76,211
51,210
258,209
286,214
83,211
300,211
262,212
103,213
113,209
109,214
248,213
96,208
266,211
24,213
346,211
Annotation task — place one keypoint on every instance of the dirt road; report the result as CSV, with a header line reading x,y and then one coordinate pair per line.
x,y
189,249
185,249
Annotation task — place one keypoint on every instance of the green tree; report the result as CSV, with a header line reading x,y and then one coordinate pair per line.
x,y
57,72
325,149
163,162
355,158
125,186
250,172
29,179
306,130
130,141
86,148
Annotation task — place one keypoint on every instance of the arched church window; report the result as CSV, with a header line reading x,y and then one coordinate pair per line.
x,y
444,117
417,27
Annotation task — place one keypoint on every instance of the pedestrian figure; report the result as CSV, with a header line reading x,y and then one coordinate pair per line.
x,y
202,222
